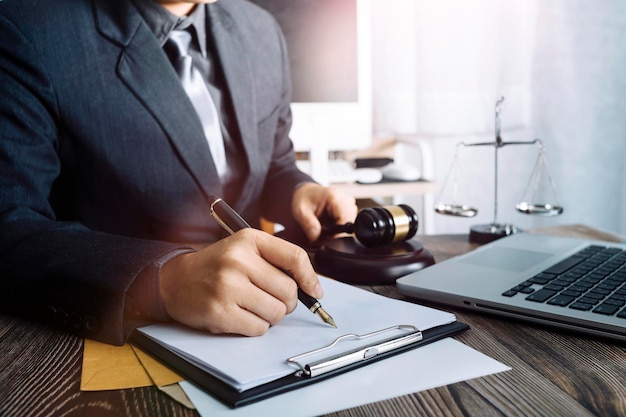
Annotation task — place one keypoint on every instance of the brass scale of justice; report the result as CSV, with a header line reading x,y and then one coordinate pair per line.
x,y
539,197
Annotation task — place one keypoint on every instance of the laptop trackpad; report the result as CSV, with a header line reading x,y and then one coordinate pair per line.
x,y
504,258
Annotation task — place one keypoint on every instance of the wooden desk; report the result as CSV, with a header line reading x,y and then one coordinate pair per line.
x,y
554,373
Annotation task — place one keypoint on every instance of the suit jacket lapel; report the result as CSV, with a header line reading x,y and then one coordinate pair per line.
x,y
146,71
238,75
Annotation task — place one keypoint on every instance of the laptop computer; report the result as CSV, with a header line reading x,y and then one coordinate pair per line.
x,y
573,284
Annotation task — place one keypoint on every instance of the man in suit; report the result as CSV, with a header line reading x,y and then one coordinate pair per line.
x,y
106,173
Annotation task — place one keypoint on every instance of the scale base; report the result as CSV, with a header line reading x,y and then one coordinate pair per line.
x,y
347,260
485,233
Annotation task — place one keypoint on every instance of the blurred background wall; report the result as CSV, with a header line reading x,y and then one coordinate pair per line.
x,y
439,67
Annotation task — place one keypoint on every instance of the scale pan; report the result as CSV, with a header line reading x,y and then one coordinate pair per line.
x,y
538,209
455,210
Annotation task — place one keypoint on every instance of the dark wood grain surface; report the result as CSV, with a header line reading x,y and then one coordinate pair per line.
x,y
553,373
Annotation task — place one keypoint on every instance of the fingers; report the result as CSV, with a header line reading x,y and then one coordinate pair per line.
x,y
311,200
294,261
250,312
238,284
307,204
264,306
341,207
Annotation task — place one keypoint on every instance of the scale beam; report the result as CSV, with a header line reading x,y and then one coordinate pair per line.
x,y
531,202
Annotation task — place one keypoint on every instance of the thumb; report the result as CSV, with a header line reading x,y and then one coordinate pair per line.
x,y
310,224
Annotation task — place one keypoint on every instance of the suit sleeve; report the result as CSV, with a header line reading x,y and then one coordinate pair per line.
x,y
52,270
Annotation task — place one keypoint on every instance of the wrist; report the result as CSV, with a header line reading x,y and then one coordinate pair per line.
x,y
170,272
143,299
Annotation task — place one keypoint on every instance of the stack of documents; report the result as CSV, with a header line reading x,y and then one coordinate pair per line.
x,y
239,370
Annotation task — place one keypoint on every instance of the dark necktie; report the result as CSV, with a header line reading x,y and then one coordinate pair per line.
x,y
198,92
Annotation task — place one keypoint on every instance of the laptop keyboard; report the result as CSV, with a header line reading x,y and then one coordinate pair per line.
x,y
593,279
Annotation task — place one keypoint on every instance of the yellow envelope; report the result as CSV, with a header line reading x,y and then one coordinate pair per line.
x,y
108,367
160,374
163,377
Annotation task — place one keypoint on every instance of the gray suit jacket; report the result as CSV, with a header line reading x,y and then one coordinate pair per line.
x,y
103,166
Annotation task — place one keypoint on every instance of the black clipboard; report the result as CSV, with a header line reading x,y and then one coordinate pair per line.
x,y
234,398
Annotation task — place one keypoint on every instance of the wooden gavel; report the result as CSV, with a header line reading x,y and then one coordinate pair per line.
x,y
375,226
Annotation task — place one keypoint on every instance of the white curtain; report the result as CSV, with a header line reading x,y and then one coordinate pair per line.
x,y
440,65
579,105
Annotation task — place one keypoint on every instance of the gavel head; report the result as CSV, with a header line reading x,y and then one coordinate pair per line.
x,y
377,226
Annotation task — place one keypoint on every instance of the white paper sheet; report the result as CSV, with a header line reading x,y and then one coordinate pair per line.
x,y
437,364
246,362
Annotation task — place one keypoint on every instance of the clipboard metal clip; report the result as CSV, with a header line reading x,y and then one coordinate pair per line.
x,y
360,354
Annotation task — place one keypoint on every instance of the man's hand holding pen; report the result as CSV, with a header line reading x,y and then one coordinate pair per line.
x,y
237,285
250,280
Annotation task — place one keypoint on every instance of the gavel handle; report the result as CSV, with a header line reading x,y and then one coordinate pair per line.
x,y
333,229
